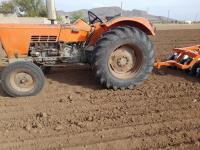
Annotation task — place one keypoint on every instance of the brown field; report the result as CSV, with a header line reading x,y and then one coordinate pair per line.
x,y
177,26
73,112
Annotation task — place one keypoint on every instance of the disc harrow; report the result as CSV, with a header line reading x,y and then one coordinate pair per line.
x,y
186,59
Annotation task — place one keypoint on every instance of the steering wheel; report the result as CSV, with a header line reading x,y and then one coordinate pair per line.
x,y
93,18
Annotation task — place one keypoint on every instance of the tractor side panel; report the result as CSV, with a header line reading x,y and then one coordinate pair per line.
x,y
77,32
99,30
17,38
70,35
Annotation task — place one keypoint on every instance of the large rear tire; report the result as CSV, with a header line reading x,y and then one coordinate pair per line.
x,y
22,79
123,58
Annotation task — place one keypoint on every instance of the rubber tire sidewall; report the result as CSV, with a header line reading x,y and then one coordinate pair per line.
x,y
117,44
136,41
28,67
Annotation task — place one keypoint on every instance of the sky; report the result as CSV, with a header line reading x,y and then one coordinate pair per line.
x,y
177,9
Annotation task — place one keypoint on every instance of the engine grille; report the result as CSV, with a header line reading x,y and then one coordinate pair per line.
x,y
36,38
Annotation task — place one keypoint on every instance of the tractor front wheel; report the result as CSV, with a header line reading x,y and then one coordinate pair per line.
x,y
123,58
22,79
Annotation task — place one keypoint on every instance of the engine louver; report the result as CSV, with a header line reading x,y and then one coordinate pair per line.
x,y
44,38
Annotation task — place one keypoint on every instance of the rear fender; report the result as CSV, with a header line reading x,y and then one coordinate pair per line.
x,y
139,22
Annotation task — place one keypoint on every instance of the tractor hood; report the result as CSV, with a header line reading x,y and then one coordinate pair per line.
x,y
16,38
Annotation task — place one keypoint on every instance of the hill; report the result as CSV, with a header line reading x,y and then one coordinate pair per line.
x,y
102,12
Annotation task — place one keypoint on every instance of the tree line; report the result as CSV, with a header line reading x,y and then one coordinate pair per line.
x,y
31,8
24,8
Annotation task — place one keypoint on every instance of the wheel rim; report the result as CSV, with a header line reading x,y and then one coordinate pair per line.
x,y
125,62
22,81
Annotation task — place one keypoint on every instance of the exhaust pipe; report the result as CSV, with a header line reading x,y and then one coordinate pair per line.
x,y
51,10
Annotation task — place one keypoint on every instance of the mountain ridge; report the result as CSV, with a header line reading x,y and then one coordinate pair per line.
x,y
102,12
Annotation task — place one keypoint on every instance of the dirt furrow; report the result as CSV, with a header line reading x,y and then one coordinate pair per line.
x,y
135,104
123,114
75,126
157,132
157,142
189,146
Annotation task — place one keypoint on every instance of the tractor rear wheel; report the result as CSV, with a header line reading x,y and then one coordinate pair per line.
x,y
22,79
123,58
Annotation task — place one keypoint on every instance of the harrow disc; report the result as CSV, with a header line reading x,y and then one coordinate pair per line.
x,y
173,57
195,70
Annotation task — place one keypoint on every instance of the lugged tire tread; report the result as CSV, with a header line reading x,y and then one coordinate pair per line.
x,y
109,39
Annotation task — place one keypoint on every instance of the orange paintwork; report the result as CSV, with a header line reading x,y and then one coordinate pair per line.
x,y
193,52
77,32
138,22
16,38
141,23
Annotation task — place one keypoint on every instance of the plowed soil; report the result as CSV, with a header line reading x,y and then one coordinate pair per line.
x,y
73,112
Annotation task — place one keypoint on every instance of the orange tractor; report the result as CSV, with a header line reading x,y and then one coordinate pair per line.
x,y
119,51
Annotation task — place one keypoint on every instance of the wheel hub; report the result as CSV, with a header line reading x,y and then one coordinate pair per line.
x,y
22,81
121,62
124,62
